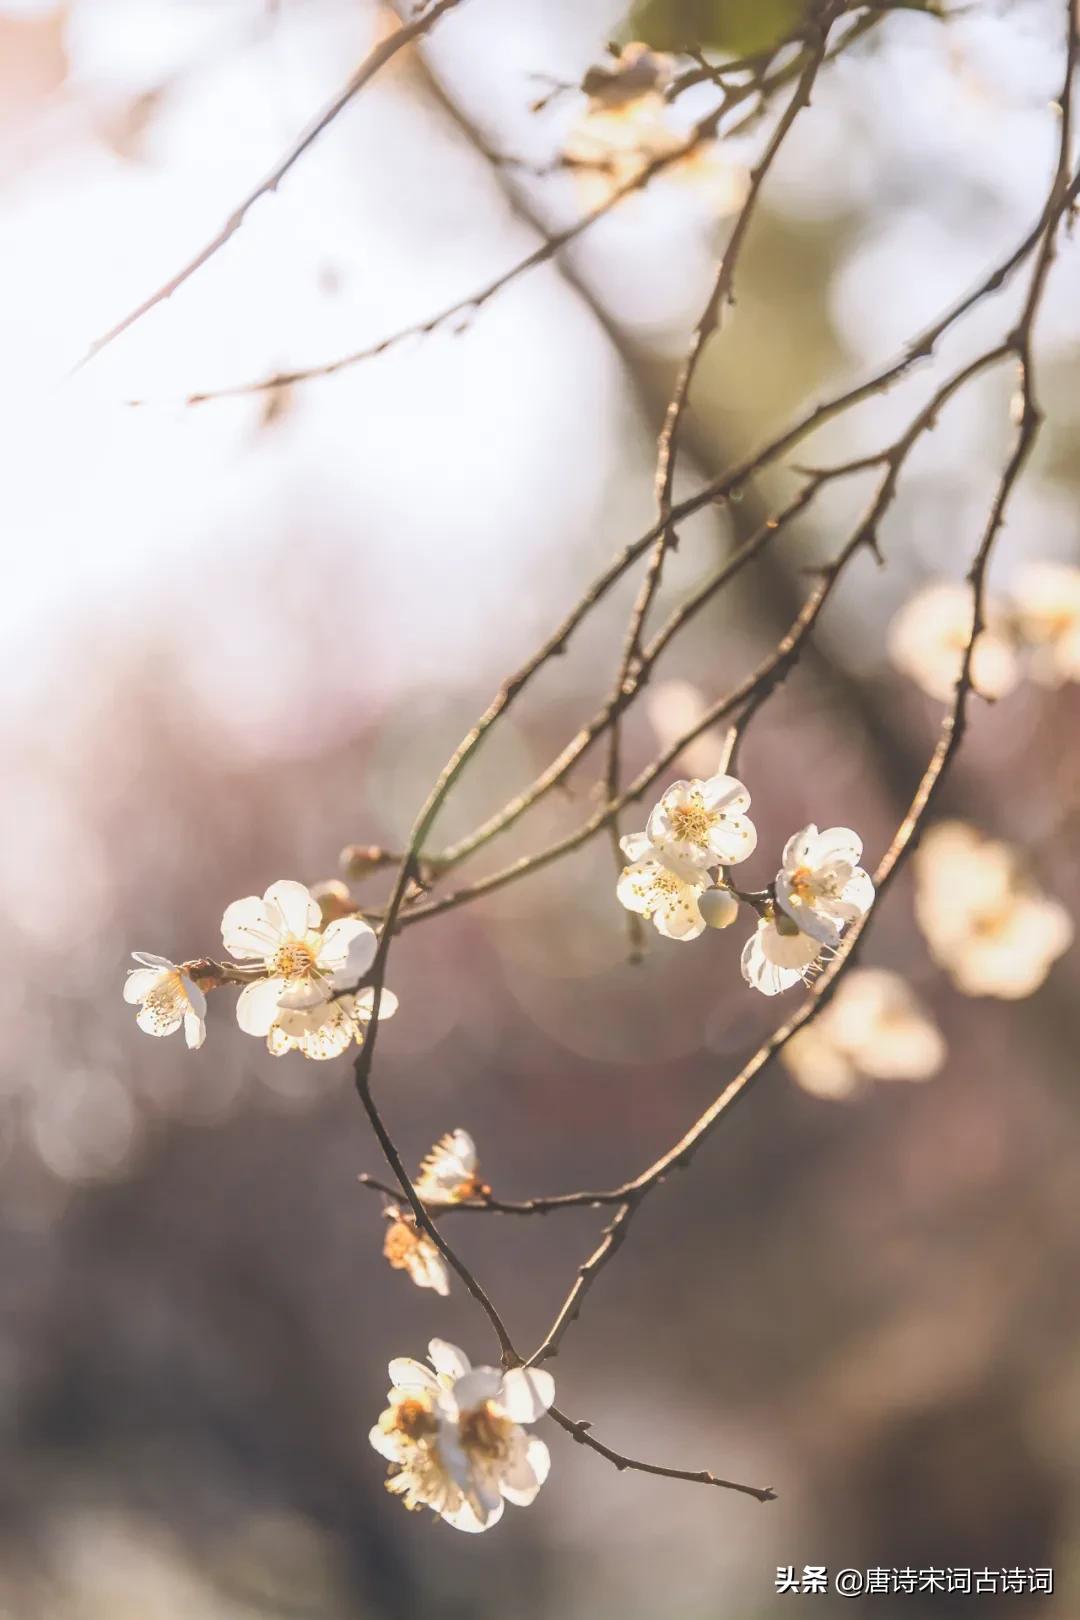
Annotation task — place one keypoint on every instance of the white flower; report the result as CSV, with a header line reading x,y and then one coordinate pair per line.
x,y
700,824
992,931
777,955
168,997
1047,603
656,890
928,636
454,1438
449,1173
873,1026
409,1249
821,885
326,1031
304,964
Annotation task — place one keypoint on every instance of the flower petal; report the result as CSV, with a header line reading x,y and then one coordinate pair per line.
x,y
387,1445
464,1517
140,982
732,840
247,930
859,890
724,793
194,995
636,846
365,1001
526,1393
412,1376
150,961
347,950
808,920
302,995
257,1005
526,1470
447,1359
798,847
837,844
478,1385
293,903
194,1030
156,1021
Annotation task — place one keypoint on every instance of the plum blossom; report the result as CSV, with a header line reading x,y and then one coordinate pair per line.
x,y
449,1172
1046,601
412,1251
821,885
987,925
777,955
664,894
454,1437
819,889
929,635
874,1027
304,965
694,826
700,824
167,997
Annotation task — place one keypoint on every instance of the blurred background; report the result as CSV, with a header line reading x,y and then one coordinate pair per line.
x,y
238,636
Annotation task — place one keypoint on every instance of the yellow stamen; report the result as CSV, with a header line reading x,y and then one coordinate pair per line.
x,y
293,960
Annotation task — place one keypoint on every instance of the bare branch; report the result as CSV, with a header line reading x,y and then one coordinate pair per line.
x,y
384,52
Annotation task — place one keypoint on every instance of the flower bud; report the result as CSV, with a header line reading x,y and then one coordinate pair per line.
x,y
334,900
719,907
357,860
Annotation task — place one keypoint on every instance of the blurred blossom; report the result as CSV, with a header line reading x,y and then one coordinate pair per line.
x,y
412,1251
84,1125
107,1564
1046,596
610,146
988,926
928,636
673,707
873,1026
333,899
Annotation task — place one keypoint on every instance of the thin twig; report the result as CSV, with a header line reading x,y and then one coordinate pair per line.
x,y
667,448
582,1433
704,130
384,52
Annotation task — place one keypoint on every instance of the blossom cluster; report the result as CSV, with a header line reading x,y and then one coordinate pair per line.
x,y
1037,628
448,1175
874,1028
300,978
987,923
454,1438
675,879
